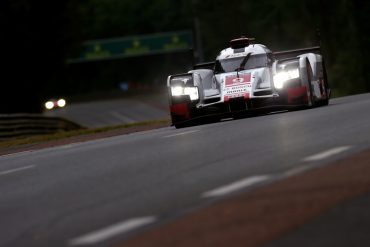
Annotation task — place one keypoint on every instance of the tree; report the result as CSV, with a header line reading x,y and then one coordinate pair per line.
x,y
36,36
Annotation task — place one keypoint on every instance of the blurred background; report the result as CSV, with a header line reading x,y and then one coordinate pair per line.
x,y
102,49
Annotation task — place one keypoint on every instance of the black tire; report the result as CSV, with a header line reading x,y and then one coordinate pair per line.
x,y
180,126
185,124
325,102
239,115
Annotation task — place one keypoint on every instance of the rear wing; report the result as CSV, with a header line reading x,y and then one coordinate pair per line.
x,y
297,52
279,54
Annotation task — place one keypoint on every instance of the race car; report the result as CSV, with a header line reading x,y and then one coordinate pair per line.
x,y
248,77
55,103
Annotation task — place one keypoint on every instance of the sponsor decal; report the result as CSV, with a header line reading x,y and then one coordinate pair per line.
x,y
241,95
237,86
238,80
233,80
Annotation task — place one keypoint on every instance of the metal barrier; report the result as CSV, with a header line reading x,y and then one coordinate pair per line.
x,y
16,125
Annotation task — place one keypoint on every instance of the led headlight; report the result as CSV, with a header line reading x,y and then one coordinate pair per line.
x,y
177,91
191,91
281,77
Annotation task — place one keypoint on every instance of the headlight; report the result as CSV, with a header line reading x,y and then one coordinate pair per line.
x,y
191,91
281,77
61,103
177,91
49,105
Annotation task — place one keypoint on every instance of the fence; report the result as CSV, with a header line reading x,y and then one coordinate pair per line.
x,y
16,125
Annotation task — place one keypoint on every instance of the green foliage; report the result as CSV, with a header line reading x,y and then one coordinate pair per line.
x,y
283,24
112,18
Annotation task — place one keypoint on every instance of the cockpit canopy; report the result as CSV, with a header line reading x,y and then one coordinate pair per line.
x,y
239,63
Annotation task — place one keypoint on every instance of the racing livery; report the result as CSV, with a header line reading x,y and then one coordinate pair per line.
x,y
248,77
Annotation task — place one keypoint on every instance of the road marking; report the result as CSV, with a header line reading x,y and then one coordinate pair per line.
x,y
326,154
296,170
182,133
227,119
235,186
16,170
111,231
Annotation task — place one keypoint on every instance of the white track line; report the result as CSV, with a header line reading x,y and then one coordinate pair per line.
x,y
182,133
224,190
16,170
326,154
111,231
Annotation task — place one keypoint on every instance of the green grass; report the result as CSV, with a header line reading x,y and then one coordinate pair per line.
x,y
67,134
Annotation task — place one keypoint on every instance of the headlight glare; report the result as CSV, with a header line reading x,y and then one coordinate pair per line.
x,y
293,74
281,77
49,105
177,91
61,103
191,91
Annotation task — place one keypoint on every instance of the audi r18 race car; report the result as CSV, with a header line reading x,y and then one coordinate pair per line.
x,y
247,77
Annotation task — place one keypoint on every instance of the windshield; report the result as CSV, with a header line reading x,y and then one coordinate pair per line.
x,y
233,64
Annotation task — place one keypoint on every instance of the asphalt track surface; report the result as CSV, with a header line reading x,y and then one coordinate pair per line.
x,y
102,192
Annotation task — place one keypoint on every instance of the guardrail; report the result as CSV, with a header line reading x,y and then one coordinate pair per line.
x,y
16,125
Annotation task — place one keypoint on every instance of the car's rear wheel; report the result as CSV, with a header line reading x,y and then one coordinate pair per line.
x,y
179,126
